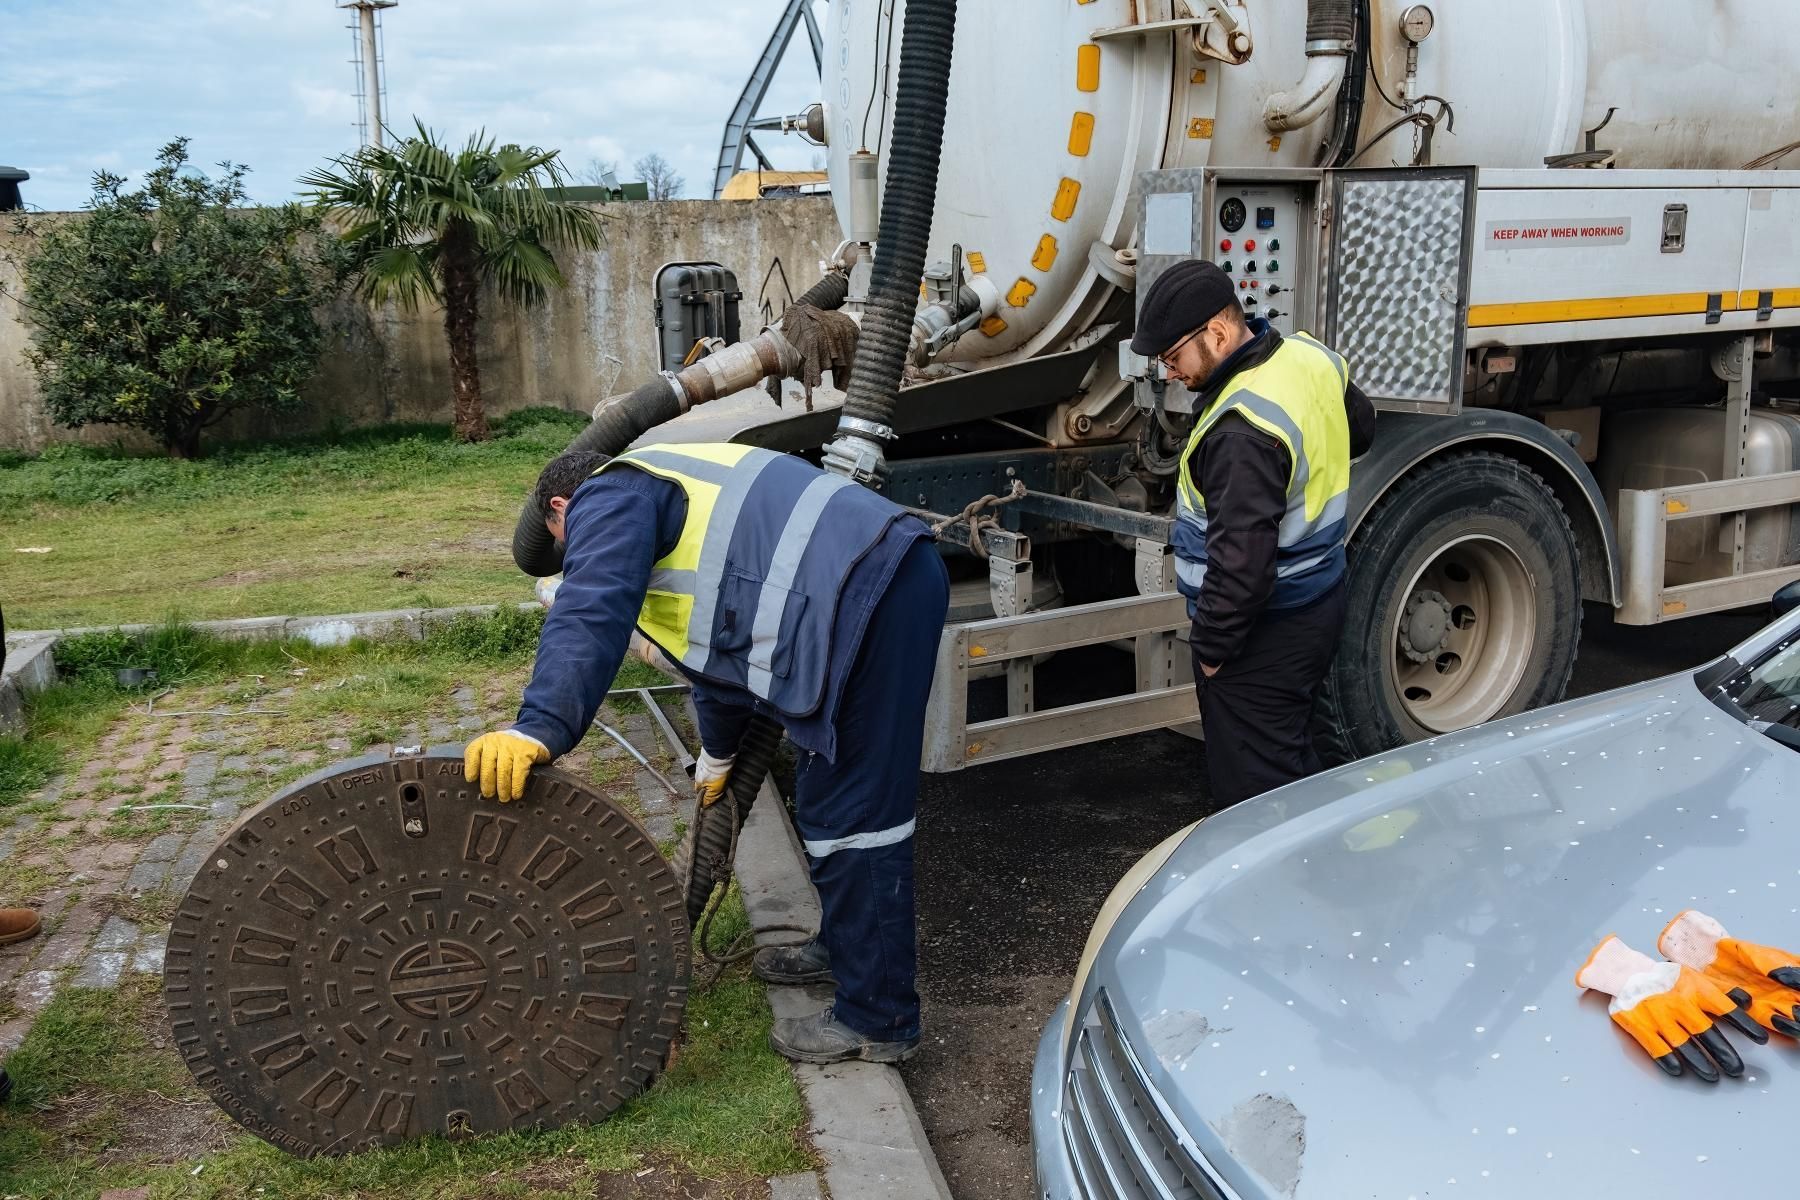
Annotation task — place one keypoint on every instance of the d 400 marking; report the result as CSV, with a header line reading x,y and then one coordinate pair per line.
x,y
377,953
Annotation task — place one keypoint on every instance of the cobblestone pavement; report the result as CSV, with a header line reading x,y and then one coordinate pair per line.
x,y
106,853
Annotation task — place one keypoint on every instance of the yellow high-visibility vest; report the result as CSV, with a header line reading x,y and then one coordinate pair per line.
x,y
1295,396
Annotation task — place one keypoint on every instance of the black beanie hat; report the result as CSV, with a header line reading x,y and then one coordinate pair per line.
x,y
1183,298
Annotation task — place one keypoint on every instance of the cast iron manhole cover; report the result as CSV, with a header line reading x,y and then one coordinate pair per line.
x,y
377,953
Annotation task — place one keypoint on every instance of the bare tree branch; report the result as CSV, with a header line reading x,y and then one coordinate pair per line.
x,y
659,177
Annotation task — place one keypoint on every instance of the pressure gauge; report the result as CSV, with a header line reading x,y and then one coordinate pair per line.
x,y
1416,23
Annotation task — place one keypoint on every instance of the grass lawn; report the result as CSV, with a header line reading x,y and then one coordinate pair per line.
x,y
378,519
102,1099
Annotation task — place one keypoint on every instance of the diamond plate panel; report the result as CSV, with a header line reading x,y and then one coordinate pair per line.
x,y
1400,256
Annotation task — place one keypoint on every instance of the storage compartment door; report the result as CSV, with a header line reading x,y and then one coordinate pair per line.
x,y
1399,245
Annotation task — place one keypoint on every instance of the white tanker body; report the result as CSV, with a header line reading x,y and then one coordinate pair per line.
x,y
1056,105
1593,394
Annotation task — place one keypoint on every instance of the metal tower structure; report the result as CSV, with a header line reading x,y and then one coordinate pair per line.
x,y
743,116
368,59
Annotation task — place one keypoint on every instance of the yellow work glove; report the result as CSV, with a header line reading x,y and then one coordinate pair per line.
x,y
711,776
500,762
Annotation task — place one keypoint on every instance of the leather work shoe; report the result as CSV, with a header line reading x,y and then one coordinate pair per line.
x,y
808,962
17,924
822,1038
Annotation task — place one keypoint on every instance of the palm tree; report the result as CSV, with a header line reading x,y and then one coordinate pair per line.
x,y
421,222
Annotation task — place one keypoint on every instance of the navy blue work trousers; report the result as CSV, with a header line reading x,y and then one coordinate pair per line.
x,y
856,815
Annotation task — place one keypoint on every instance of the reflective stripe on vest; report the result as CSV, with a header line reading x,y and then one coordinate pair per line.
x,y
739,599
1297,397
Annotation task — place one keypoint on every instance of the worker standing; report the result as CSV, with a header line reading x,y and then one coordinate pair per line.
x,y
779,589
1259,535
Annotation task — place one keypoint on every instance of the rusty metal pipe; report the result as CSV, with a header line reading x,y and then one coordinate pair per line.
x,y
736,367
624,418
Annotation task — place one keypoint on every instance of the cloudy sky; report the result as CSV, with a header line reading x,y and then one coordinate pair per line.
x,y
92,84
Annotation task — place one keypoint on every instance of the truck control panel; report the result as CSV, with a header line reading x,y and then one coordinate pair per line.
x,y
1256,239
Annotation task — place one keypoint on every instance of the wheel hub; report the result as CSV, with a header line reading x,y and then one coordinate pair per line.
x,y
1425,626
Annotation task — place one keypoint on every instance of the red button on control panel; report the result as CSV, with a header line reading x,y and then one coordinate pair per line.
x,y
1249,244
1225,245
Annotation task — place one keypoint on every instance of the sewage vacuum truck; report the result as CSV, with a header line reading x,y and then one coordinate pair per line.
x,y
1551,237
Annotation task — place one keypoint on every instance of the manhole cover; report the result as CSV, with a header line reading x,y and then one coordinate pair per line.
x,y
377,954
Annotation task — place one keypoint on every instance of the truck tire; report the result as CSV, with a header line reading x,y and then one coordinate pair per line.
x,y
1464,605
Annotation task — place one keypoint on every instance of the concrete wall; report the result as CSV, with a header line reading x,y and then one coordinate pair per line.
x,y
392,366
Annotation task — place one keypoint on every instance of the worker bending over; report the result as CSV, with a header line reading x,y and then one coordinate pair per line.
x,y
780,589
1259,535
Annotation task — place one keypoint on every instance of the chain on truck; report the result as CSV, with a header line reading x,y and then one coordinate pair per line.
x,y
1552,239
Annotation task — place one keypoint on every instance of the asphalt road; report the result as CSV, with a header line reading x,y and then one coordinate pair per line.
x,y
1015,859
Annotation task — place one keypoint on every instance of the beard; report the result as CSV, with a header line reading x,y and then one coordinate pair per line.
x,y
1205,364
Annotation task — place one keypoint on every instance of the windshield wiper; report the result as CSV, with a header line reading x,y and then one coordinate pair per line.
x,y
1780,733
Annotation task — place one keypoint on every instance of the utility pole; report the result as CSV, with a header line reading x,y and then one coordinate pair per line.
x,y
368,57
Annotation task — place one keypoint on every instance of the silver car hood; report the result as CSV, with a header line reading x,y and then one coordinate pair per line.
x,y
1361,985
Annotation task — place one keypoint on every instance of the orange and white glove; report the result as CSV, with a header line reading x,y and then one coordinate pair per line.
x,y
1667,1008
711,776
1766,981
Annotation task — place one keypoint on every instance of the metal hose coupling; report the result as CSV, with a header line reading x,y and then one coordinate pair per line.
x,y
736,367
859,451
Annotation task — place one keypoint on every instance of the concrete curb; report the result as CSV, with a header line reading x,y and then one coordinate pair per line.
x,y
326,630
864,1122
30,668
31,662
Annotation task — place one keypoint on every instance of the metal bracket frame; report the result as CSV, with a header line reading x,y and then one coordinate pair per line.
x,y
1163,698
1085,513
1646,514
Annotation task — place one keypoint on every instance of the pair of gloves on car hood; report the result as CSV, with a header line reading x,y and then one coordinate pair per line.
x,y
1672,1008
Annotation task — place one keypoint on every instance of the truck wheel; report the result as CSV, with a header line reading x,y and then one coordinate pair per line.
x,y
1465,605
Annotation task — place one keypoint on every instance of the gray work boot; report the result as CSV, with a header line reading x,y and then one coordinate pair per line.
x,y
822,1038
808,962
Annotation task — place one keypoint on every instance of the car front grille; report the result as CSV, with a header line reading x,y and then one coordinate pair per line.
x,y
1120,1135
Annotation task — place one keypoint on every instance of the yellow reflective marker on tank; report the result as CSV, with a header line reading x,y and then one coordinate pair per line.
x,y
1045,257
1200,127
1021,293
977,262
1068,194
1199,75
1087,68
993,326
1081,134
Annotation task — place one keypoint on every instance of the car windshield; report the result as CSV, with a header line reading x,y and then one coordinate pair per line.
x,y
1766,696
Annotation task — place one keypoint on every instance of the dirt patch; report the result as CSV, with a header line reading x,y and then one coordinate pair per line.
x,y
667,1181
170,1131
472,545
971,1085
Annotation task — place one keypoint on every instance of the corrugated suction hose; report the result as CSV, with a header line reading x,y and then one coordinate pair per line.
x,y
907,202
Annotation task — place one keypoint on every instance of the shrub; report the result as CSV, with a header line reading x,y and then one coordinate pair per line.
x,y
167,308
